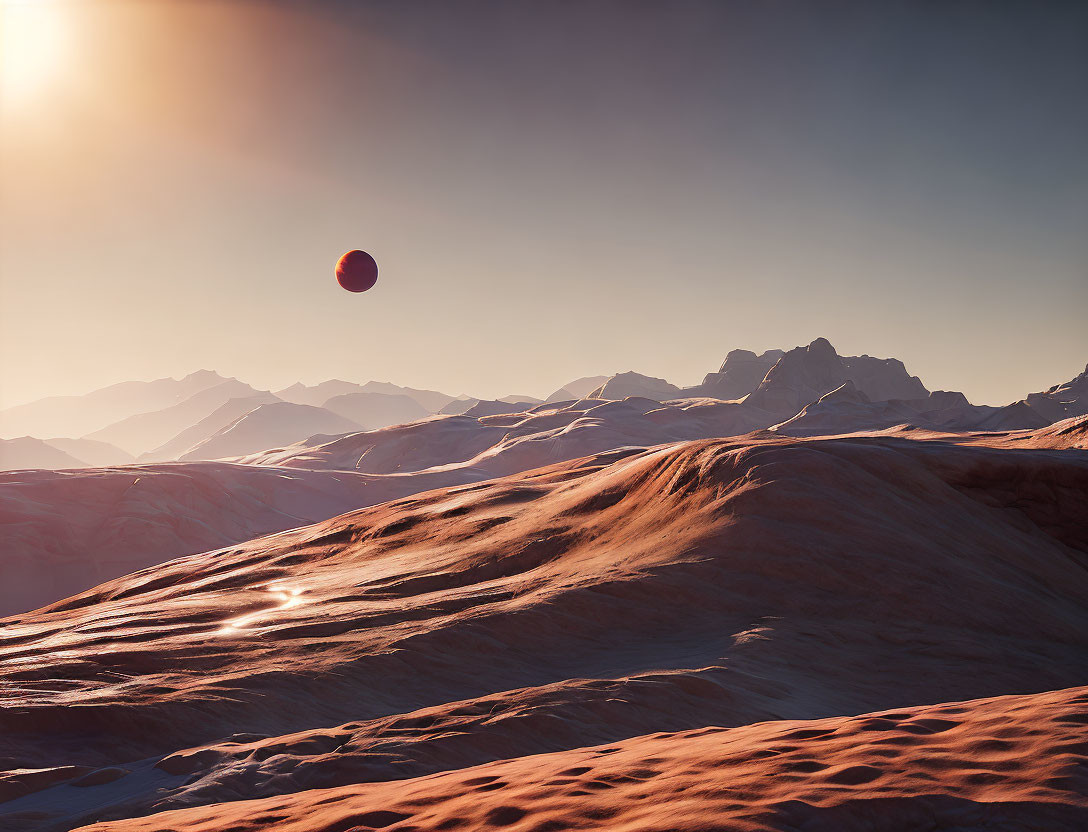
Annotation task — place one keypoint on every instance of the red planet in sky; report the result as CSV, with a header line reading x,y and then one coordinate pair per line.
x,y
356,271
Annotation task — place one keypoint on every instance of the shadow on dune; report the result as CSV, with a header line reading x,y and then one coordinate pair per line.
x,y
929,812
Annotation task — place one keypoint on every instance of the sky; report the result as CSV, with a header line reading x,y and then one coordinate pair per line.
x,y
552,189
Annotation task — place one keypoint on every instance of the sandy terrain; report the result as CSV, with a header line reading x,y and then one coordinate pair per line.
x,y
713,583
66,531
511,442
1014,762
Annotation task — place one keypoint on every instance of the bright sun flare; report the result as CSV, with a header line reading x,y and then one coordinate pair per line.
x,y
33,41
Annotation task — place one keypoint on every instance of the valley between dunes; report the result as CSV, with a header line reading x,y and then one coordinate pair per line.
x,y
681,637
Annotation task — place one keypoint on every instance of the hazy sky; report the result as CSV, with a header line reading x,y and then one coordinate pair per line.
x,y
552,189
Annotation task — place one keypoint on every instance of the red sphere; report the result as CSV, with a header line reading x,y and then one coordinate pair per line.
x,y
356,271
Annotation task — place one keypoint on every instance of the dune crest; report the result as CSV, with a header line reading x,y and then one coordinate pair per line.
x,y
708,583
1010,762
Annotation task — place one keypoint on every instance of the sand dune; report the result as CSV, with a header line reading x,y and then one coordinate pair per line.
x,y
1068,434
599,613
498,407
506,443
67,531
1013,762
79,520
713,583
1062,400
63,519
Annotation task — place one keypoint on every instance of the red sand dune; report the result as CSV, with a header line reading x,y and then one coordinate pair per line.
x,y
1013,762
65,531
711,583
1067,434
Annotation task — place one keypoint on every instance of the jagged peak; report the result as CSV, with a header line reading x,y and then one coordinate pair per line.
x,y
202,374
822,346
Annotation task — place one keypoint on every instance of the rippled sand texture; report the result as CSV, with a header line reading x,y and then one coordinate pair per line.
x,y
411,660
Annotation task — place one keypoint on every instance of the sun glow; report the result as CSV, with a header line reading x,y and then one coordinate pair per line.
x,y
33,47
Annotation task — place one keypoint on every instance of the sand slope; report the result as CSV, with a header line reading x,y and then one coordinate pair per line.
x,y
711,583
98,525
510,442
66,531
1013,762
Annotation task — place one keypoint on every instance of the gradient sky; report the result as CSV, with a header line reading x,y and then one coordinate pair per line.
x,y
552,189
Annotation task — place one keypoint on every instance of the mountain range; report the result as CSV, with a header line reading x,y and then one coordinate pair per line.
x,y
184,419
806,594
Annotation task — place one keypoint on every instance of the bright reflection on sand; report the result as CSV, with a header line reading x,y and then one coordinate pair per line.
x,y
288,597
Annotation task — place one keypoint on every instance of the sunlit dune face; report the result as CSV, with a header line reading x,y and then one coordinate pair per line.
x,y
33,47
287,597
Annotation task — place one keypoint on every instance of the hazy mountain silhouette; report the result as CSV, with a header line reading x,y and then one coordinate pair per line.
x,y
804,374
430,400
269,426
146,431
739,375
211,424
371,410
623,385
93,452
786,389
75,416
580,388
317,394
28,452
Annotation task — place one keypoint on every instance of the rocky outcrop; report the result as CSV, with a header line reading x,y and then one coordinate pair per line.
x,y
1062,400
740,374
805,374
622,385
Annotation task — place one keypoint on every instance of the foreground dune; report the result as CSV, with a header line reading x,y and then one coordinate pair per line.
x,y
1014,762
711,583
65,531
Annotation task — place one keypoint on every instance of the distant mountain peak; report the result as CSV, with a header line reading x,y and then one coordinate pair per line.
x,y
822,346
198,375
805,374
624,385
